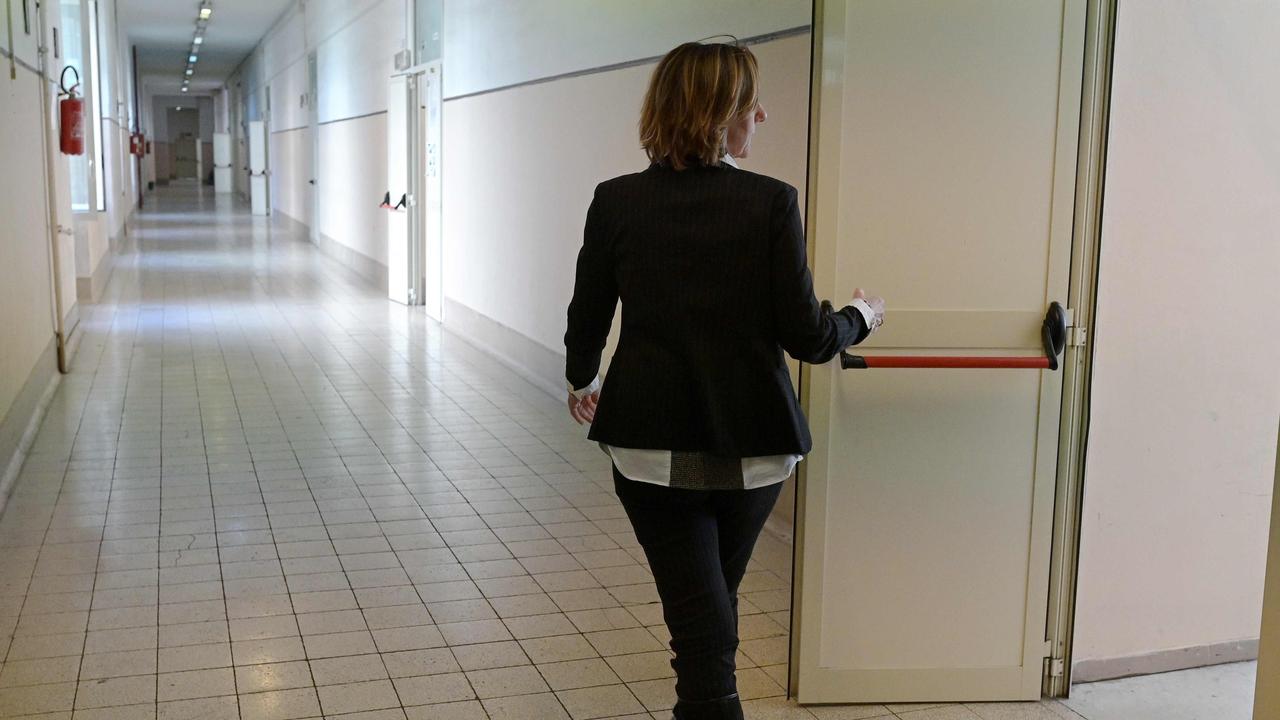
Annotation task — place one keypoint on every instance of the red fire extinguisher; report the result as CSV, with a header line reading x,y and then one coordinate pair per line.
x,y
135,143
71,116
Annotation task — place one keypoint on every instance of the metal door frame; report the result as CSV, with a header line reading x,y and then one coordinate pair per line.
x,y
313,123
1077,368
421,220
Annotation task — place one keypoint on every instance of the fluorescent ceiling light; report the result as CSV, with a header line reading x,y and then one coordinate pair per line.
x,y
184,89
191,58
199,39
179,108
205,13
190,71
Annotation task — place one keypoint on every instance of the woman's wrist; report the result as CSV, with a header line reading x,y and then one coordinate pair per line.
x,y
580,393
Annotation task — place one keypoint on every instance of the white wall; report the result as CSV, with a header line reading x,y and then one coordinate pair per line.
x,y
26,298
352,178
291,149
1186,391
490,44
122,181
520,166
27,283
355,44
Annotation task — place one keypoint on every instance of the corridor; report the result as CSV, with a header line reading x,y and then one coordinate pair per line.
x,y
294,498
265,492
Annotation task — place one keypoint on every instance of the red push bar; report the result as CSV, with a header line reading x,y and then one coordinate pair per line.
x,y
1053,334
922,361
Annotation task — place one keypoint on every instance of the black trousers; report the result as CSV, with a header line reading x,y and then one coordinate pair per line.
x,y
698,543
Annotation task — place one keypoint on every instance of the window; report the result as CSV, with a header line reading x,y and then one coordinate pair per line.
x,y
428,16
97,82
73,56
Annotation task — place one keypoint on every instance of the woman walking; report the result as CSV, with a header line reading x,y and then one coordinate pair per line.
x,y
698,413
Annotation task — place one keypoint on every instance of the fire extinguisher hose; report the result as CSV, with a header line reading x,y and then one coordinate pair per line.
x,y
62,81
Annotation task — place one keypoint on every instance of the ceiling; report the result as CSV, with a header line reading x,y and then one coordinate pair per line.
x,y
162,31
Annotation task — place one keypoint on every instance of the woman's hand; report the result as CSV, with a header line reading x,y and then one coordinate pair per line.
x,y
875,302
584,410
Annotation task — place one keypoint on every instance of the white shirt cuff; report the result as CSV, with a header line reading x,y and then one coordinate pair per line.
x,y
583,392
868,315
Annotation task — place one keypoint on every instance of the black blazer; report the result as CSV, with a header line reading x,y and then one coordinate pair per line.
x,y
709,263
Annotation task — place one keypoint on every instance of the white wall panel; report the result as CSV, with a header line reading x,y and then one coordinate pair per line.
x,y
324,18
355,62
288,89
490,43
26,299
290,192
352,179
285,45
1185,389
23,43
516,192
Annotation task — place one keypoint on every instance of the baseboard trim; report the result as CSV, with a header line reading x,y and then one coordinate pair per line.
x,y
89,288
354,261
22,421
536,363
357,262
1163,661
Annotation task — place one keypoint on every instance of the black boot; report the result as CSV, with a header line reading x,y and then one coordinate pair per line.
x,y
728,707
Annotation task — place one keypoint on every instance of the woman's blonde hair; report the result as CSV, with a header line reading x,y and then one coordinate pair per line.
x,y
695,92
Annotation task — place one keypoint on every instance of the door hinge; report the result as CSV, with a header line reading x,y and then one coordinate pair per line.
x,y
1077,336
1057,666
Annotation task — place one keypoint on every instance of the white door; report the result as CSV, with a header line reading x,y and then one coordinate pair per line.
x,y
942,179
222,162
430,113
313,122
258,168
401,285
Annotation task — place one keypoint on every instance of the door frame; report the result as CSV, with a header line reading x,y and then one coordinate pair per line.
x,y
424,258
313,124
1077,365
266,140
1072,427
425,222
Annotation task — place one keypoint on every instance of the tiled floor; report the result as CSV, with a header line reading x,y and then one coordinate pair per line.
x,y
1221,692
267,493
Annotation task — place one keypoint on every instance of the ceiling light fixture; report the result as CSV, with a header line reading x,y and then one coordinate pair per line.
x,y
202,22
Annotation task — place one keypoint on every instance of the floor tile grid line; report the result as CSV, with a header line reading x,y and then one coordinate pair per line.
x,y
423,510
329,535
160,543
26,593
98,558
236,402
226,611
102,534
418,503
